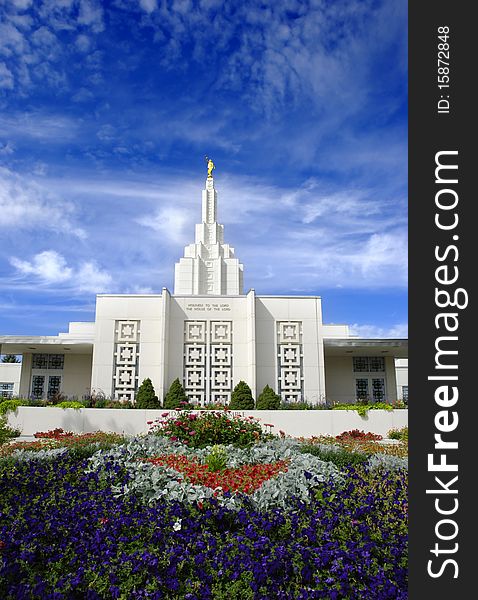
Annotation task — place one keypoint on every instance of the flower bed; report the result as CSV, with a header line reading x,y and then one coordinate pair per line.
x,y
152,517
81,444
69,536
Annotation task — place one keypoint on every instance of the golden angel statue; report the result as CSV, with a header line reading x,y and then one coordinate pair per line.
x,y
210,167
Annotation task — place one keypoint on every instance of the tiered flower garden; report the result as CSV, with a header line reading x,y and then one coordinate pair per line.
x,y
203,507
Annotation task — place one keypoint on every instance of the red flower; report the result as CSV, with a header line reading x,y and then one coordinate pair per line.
x,y
246,478
149,422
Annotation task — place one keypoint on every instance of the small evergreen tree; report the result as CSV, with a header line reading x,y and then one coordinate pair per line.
x,y
268,400
10,358
241,397
145,396
176,396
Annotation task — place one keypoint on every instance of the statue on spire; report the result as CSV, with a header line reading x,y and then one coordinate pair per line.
x,y
210,167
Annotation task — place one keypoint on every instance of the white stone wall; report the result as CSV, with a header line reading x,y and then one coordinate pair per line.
x,y
340,380
340,386
307,310
133,421
76,375
11,373
401,366
147,310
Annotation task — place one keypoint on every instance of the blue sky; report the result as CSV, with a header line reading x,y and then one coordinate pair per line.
x,y
108,108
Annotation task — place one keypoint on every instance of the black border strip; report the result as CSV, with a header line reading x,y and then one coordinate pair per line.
x,y
431,132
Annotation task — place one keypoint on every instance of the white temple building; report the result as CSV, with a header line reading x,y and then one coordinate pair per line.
x,y
211,335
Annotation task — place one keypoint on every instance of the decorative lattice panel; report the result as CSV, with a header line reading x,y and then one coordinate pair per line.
x,y
221,355
194,375
289,332
126,360
220,361
194,355
289,355
221,332
195,332
208,361
194,378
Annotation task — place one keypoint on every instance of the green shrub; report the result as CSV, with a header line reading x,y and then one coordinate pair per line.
x,y
57,398
340,457
33,402
363,408
398,434
216,460
268,400
302,406
241,397
70,404
176,396
145,396
9,406
7,432
209,428
101,401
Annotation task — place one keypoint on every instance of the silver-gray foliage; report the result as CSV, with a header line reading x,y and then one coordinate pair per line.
x,y
387,461
152,482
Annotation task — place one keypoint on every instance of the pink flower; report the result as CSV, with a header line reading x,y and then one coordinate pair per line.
x,y
192,433
164,414
268,425
174,438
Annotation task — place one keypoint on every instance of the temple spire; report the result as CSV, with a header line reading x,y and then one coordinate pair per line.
x,y
209,265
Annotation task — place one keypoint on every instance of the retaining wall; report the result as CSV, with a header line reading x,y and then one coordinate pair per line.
x,y
296,423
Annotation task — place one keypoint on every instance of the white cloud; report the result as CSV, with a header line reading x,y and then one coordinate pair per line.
x,y
6,77
148,5
82,95
7,148
39,126
50,267
90,278
26,205
385,250
91,14
21,4
83,43
170,222
356,242
399,330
